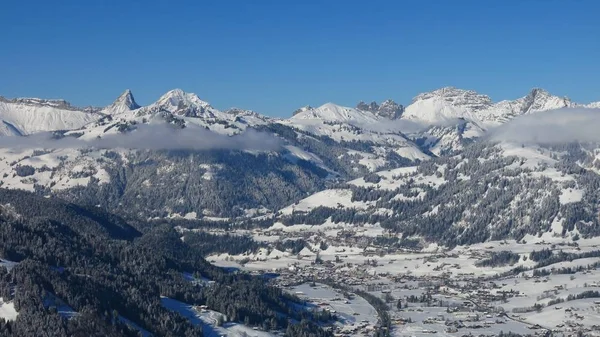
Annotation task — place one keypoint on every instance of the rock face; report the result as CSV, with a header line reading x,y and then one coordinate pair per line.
x,y
387,109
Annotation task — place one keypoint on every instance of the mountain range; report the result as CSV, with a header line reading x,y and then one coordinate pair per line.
x,y
319,150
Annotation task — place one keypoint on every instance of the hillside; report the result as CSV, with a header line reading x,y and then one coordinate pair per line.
x,y
240,164
73,270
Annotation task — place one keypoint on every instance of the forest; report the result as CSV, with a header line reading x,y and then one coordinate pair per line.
x,y
110,272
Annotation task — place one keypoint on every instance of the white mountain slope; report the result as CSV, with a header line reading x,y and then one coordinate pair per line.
x,y
175,107
456,117
24,116
343,142
536,101
445,105
335,113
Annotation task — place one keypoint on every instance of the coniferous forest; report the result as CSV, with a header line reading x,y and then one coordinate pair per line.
x,y
84,272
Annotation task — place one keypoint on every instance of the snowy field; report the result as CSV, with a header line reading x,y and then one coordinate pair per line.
x,y
350,312
7,310
208,320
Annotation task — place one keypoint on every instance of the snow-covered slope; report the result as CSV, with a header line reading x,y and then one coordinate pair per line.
x,y
317,145
454,117
24,116
536,101
330,112
448,104
367,134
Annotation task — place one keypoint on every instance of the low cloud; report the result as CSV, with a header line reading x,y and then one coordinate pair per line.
x,y
154,137
555,126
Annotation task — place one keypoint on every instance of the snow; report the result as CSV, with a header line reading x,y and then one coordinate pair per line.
x,y
122,104
358,309
28,118
393,179
327,198
9,265
296,153
533,156
449,106
208,320
7,310
434,111
133,325
336,113
570,195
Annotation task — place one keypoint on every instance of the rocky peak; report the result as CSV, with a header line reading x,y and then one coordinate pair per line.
x,y
125,102
468,99
53,103
539,100
181,103
388,109
302,109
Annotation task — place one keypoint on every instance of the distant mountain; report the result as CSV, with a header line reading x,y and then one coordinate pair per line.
x,y
318,147
24,116
387,109
122,104
449,103
331,112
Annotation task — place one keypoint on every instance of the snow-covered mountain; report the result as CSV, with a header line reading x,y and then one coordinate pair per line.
x,y
318,147
387,109
455,117
122,104
448,104
331,112
371,138
24,116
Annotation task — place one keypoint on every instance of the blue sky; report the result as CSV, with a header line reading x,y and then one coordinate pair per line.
x,y
274,56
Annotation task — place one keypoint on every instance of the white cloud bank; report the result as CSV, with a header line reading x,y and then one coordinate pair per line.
x,y
153,137
554,126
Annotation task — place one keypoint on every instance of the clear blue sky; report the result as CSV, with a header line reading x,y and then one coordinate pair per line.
x,y
277,55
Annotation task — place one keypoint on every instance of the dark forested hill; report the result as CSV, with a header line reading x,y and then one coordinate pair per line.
x,y
107,273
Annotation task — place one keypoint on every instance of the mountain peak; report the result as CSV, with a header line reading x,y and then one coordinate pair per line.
x,y
332,112
387,109
177,97
53,103
302,109
454,94
125,102
539,99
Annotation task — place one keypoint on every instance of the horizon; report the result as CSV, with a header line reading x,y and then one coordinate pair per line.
x,y
404,104
274,57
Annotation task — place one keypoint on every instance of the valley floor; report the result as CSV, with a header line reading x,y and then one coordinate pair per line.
x,y
441,292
